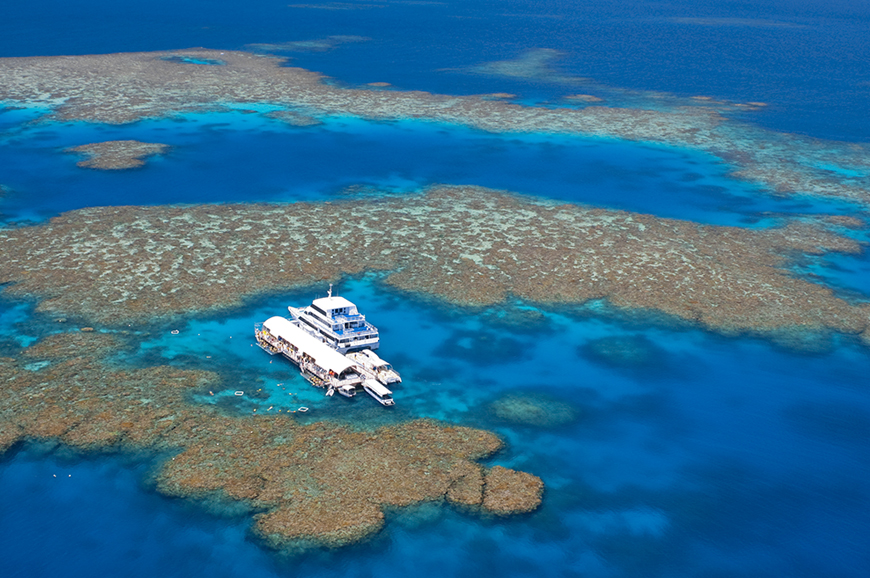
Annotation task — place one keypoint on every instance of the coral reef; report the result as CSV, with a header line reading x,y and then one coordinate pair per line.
x,y
465,245
583,98
623,351
294,118
320,482
535,64
537,410
319,45
117,154
498,95
329,483
500,493
120,88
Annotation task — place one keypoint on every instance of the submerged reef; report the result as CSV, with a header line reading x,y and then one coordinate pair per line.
x,y
535,64
294,118
537,409
320,483
465,245
318,45
583,98
117,154
121,88
624,352
748,22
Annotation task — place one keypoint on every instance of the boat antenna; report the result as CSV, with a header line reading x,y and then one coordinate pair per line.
x,y
330,291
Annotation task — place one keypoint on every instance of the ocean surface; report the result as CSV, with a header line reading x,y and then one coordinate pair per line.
x,y
684,453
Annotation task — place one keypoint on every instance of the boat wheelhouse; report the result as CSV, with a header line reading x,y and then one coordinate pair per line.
x,y
338,323
320,364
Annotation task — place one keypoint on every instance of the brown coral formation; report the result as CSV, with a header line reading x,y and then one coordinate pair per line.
x,y
463,244
117,154
329,483
76,399
500,493
120,88
320,482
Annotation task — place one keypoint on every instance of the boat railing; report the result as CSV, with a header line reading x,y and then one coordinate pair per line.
x,y
349,318
358,332
359,338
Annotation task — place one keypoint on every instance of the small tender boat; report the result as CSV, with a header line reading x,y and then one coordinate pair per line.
x,y
382,370
383,395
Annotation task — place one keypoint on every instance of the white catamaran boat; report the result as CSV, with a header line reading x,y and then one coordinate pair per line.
x,y
337,322
318,340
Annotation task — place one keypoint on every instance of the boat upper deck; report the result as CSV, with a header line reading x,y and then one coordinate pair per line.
x,y
338,315
335,306
339,326
337,321
367,328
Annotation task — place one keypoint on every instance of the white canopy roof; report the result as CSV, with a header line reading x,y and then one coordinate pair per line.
x,y
323,355
377,388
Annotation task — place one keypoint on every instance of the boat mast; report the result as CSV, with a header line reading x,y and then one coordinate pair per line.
x,y
330,291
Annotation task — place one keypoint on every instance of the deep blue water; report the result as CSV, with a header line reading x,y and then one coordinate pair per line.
x,y
807,59
690,454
